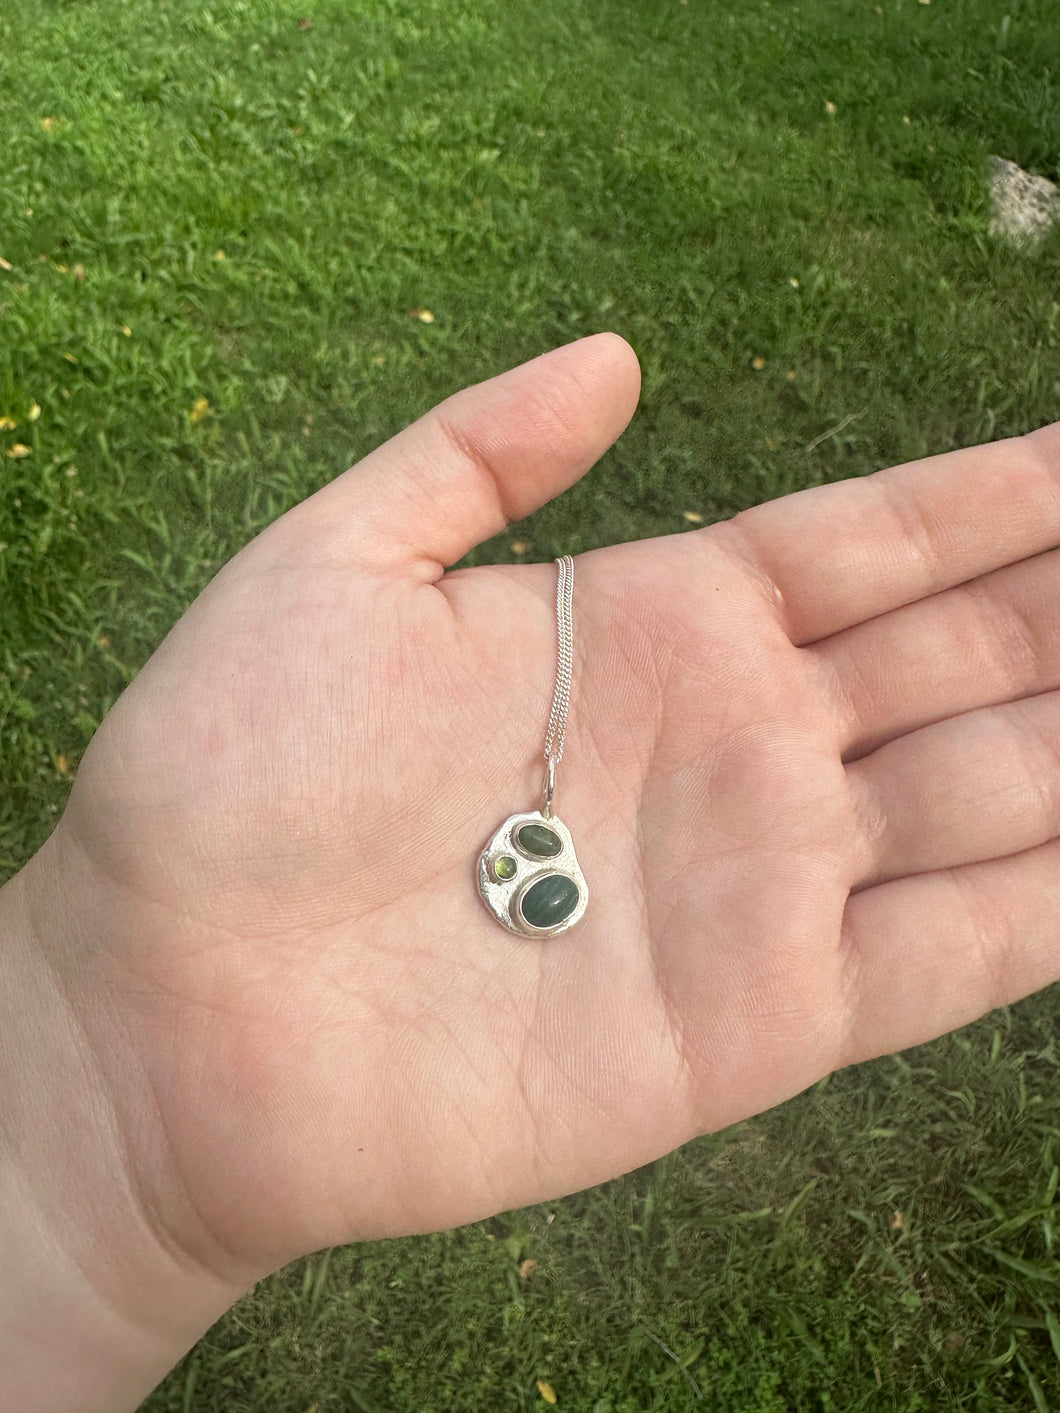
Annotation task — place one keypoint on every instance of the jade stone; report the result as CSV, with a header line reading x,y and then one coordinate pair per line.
x,y
504,868
551,899
539,840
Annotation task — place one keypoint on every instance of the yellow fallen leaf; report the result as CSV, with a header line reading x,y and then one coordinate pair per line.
x,y
200,409
18,451
4,264
423,315
62,765
219,255
379,359
791,375
49,124
830,109
519,547
693,516
62,269
758,363
7,424
525,1267
794,282
69,358
79,272
547,1392
34,411
126,330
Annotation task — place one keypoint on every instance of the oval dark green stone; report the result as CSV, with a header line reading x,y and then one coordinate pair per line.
x,y
539,840
548,901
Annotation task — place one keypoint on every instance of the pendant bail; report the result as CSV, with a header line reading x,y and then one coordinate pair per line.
x,y
550,786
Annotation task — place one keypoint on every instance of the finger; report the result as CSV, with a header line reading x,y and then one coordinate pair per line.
x,y
487,455
994,639
836,555
925,955
975,787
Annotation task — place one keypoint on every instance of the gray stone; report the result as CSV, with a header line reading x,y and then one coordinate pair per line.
x,y
1024,207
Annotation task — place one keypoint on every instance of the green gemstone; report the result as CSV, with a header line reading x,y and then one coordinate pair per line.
x,y
539,840
504,868
548,901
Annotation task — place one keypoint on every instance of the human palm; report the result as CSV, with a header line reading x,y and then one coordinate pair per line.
x,y
811,774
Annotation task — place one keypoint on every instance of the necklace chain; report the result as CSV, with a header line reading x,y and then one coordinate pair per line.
x,y
557,721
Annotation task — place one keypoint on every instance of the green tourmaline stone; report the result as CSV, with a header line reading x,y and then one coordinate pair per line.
x,y
548,901
504,868
539,840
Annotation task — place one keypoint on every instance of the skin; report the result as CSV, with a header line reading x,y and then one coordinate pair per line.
x,y
812,774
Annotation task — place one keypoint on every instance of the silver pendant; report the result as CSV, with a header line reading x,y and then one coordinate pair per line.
x,y
529,876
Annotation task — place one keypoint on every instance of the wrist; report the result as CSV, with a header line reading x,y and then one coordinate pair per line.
x,y
96,1304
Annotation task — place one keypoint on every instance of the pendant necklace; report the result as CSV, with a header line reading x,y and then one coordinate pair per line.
x,y
528,873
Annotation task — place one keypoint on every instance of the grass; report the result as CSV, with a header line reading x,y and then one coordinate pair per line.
x,y
884,1241
218,224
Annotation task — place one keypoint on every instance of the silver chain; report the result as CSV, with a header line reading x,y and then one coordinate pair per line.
x,y
557,721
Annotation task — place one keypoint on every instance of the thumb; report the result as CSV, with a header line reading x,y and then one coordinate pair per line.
x,y
487,455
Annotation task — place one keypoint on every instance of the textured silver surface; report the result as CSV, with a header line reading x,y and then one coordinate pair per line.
x,y
498,896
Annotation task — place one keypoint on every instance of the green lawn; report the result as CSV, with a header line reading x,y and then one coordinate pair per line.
x,y
224,230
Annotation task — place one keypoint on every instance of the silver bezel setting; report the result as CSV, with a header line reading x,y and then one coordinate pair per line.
x,y
544,859
516,905
495,859
502,897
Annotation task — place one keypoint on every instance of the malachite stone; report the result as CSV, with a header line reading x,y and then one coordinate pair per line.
x,y
539,840
504,868
548,901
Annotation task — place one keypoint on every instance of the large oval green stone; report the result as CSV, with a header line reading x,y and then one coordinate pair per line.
x,y
548,901
539,840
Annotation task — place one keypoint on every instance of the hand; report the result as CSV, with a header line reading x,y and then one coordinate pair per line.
x,y
812,773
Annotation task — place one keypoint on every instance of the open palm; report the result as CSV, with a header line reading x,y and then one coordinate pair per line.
x,y
812,774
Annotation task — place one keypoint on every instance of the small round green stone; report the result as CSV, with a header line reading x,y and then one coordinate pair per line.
x,y
504,868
